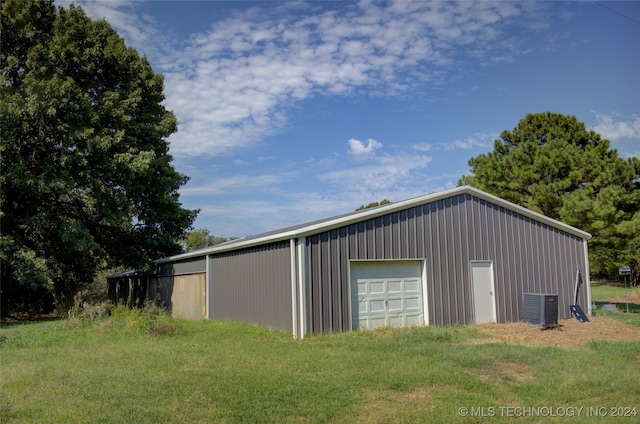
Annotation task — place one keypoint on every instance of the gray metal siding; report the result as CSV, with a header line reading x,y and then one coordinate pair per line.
x,y
528,256
253,285
183,267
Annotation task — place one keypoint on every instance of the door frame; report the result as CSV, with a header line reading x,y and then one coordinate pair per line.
x,y
492,289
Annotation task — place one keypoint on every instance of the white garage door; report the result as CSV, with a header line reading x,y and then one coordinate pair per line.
x,y
386,294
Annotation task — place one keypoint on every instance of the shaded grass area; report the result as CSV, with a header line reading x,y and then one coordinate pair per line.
x,y
222,372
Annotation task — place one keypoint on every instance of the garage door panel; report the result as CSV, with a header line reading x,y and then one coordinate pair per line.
x,y
396,321
376,306
413,303
387,294
414,320
376,322
412,286
376,287
394,286
363,305
394,305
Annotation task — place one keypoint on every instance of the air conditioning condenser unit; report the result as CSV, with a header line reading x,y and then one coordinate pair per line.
x,y
541,309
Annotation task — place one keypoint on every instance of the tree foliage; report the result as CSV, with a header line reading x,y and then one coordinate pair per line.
x,y
86,180
552,164
201,238
374,204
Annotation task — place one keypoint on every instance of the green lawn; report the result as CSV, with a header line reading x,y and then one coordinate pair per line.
x,y
600,291
213,372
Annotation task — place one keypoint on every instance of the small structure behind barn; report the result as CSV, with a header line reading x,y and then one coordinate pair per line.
x,y
455,257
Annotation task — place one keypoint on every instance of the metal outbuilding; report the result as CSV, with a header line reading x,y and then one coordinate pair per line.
x,y
454,257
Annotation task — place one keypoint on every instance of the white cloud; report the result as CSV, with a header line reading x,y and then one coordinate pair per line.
x,y
263,201
236,215
422,147
382,173
483,140
615,128
357,147
235,84
292,208
477,140
237,184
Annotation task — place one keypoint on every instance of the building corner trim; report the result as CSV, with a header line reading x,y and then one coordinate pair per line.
x,y
302,284
294,289
586,276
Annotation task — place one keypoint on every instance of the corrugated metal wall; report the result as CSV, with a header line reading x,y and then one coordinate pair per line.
x,y
253,285
185,266
528,256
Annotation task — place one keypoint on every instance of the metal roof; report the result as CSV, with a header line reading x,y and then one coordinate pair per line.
x,y
129,273
322,225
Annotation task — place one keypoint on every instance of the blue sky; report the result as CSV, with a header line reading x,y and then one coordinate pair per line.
x,y
295,111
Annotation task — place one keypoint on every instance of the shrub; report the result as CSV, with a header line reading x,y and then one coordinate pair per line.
x,y
83,315
105,316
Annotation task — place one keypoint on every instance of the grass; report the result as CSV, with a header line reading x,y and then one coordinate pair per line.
x,y
602,293
631,318
600,290
110,371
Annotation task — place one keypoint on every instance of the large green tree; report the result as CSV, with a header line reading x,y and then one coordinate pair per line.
x,y
552,164
200,238
86,181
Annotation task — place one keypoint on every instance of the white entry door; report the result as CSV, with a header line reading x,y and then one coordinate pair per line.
x,y
386,294
484,298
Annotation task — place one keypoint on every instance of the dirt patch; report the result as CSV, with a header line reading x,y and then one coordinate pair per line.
x,y
633,298
571,334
